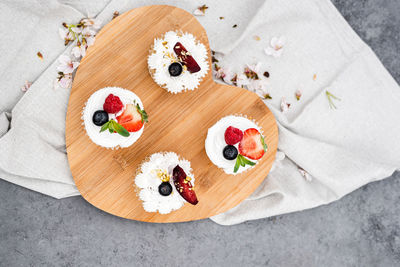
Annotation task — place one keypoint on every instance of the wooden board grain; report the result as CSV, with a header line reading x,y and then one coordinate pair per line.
x,y
177,123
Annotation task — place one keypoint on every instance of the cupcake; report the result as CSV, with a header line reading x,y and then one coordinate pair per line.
x,y
235,144
177,61
165,182
114,117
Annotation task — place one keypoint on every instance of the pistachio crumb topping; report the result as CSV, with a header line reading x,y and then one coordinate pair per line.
x,y
163,175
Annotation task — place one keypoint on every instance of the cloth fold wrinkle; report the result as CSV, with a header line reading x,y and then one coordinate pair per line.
x,y
5,118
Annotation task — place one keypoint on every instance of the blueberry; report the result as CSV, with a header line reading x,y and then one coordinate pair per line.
x,y
175,69
165,189
100,117
230,152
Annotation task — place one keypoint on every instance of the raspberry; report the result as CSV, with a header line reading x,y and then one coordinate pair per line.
x,y
233,135
112,104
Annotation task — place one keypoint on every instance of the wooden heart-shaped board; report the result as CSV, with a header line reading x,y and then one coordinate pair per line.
x,y
177,123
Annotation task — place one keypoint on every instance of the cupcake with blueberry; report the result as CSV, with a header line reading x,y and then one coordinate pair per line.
x,y
166,183
177,61
235,144
114,117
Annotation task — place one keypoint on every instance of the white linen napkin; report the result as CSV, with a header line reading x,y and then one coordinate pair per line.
x,y
341,149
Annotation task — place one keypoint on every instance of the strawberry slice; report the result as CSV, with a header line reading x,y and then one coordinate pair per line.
x,y
186,58
183,185
252,144
133,118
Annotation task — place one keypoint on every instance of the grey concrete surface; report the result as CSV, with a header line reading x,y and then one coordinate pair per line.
x,y
362,229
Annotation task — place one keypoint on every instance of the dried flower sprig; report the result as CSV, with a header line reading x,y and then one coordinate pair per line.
x,y
115,14
200,11
250,73
331,97
298,94
83,34
40,56
213,58
267,96
252,78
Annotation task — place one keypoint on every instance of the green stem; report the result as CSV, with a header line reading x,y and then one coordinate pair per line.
x,y
330,97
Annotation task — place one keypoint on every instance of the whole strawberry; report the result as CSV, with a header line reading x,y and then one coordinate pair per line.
x,y
112,104
233,135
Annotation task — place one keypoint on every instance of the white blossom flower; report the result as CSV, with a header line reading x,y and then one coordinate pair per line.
x,y
79,51
284,105
76,29
276,47
89,36
87,32
224,74
280,156
256,67
198,12
305,174
65,34
66,66
229,75
258,86
90,40
26,86
298,95
95,23
65,82
253,71
219,72
240,80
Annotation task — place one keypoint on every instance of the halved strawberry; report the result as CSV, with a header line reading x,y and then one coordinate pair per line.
x,y
186,58
133,118
252,144
183,185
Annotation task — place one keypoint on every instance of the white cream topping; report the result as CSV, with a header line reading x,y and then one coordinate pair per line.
x,y
164,55
148,182
215,142
94,103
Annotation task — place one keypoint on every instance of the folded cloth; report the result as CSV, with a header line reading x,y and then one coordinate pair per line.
x,y
340,149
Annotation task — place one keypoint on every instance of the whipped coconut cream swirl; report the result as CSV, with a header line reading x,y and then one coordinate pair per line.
x,y
162,55
94,103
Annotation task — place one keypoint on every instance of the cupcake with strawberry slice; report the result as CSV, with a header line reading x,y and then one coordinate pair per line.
x,y
235,144
177,61
165,182
114,117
